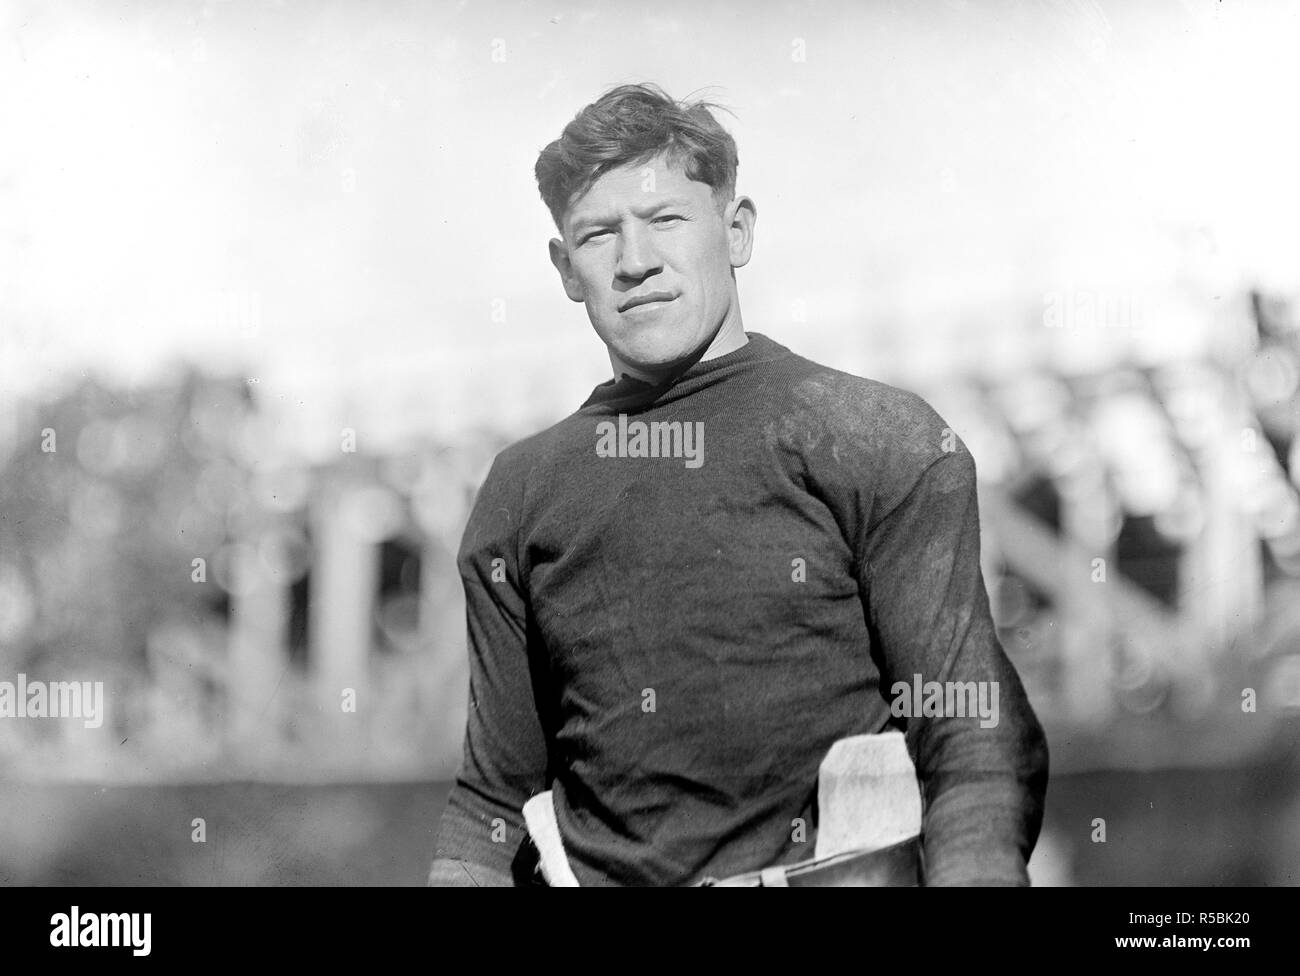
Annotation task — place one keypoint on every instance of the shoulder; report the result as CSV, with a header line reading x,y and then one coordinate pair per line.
x,y
873,415
523,474
873,420
529,456
861,433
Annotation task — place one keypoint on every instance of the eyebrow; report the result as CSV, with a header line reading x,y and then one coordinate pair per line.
x,y
585,221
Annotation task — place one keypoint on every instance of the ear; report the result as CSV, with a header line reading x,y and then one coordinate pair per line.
x,y
560,258
740,217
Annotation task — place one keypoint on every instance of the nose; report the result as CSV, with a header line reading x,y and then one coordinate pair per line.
x,y
637,256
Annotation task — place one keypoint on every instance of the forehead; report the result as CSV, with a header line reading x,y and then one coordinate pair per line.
x,y
636,186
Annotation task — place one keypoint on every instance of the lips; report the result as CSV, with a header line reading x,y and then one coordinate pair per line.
x,y
648,297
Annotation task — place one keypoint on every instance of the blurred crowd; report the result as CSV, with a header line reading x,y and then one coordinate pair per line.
x,y
256,615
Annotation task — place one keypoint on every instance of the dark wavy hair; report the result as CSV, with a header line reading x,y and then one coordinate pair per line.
x,y
633,124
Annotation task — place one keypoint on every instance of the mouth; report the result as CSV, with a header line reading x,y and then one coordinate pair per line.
x,y
648,301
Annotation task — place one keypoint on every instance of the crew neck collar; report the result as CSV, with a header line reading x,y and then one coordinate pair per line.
x,y
758,348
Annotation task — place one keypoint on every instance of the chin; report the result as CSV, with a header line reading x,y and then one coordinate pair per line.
x,y
652,345
651,354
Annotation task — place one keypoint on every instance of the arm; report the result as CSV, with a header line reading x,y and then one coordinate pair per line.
x,y
928,613
482,839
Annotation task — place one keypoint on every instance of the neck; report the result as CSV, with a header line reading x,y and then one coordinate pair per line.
x,y
729,337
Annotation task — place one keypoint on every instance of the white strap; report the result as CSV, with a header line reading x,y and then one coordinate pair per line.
x,y
539,815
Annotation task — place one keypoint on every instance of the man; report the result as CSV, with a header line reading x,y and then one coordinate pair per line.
x,y
682,594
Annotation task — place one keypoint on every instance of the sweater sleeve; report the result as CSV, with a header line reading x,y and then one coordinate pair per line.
x,y
928,613
505,754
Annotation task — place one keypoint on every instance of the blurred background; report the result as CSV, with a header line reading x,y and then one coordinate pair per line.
x,y
274,291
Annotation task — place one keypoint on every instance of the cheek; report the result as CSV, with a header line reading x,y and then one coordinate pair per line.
x,y
595,290
711,261
713,277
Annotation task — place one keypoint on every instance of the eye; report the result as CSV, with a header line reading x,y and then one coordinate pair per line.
x,y
663,217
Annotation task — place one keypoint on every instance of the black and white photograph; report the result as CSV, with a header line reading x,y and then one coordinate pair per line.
x,y
799,443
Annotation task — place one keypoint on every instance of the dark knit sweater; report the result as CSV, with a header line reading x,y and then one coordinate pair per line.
x,y
672,643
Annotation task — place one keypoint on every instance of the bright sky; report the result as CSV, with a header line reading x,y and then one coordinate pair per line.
x,y
338,199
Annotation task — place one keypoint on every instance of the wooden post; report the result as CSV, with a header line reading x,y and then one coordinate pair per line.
x,y
340,620
259,616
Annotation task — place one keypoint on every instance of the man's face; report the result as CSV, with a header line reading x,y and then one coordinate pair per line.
x,y
650,252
